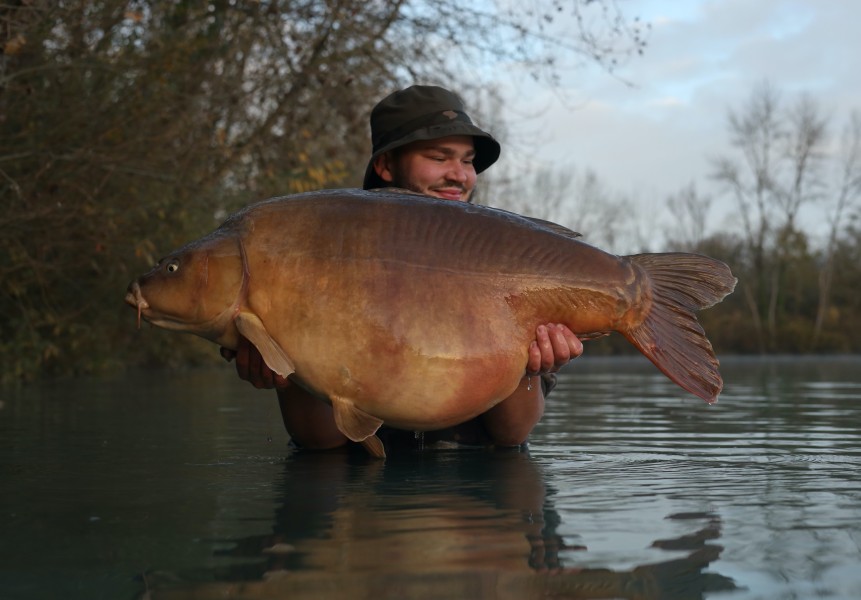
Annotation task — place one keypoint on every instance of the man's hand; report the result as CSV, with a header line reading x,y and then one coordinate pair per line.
x,y
553,347
250,367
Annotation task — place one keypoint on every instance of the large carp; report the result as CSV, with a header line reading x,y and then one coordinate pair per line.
x,y
350,291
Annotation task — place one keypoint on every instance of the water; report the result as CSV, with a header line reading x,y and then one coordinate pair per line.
x,y
181,486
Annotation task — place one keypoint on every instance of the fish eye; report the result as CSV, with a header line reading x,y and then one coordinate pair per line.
x,y
172,266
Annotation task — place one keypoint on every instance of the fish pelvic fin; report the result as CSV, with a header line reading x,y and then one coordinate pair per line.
x,y
670,335
251,327
358,425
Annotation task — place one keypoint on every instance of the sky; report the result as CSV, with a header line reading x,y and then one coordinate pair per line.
x,y
654,127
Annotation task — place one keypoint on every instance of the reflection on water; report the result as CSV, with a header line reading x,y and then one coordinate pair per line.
x,y
436,525
181,486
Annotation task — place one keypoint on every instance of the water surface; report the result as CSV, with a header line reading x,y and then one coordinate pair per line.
x,y
181,485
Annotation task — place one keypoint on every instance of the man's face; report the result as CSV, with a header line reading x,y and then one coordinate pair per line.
x,y
441,167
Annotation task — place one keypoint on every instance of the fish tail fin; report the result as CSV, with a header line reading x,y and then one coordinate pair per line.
x,y
670,335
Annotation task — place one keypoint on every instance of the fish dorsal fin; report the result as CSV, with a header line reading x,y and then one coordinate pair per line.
x,y
358,425
250,326
397,190
555,227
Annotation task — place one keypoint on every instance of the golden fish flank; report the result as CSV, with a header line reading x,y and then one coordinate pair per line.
x,y
336,287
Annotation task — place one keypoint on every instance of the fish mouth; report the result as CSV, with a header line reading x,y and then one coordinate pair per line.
x,y
135,299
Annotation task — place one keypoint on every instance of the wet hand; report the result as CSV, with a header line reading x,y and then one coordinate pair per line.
x,y
251,367
553,347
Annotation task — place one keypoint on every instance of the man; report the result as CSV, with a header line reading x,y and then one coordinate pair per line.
x,y
424,141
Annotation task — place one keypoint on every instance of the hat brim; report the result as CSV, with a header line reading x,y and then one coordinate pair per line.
x,y
487,149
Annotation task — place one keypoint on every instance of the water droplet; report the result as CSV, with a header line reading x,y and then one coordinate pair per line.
x,y
529,383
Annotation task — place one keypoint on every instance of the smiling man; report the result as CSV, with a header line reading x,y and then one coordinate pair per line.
x,y
424,142
442,168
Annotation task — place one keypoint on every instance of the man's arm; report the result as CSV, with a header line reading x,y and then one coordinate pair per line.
x,y
309,420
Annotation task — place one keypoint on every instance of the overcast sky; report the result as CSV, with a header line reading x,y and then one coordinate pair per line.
x,y
652,138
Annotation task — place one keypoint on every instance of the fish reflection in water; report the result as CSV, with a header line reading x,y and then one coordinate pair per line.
x,y
434,524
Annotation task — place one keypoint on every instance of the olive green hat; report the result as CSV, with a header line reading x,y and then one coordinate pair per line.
x,y
423,112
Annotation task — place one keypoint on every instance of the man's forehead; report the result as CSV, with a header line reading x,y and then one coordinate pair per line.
x,y
452,143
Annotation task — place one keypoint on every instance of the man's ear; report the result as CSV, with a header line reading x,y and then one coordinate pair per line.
x,y
383,167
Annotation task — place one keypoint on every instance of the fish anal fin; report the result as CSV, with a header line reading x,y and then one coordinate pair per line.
x,y
374,446
252,328
358,425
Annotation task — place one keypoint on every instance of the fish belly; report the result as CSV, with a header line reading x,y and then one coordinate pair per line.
x,y
418,350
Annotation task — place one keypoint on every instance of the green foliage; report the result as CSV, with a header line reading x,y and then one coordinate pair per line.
x,y
130,128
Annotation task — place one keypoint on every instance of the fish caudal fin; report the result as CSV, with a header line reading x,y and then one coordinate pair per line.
x,y
670,335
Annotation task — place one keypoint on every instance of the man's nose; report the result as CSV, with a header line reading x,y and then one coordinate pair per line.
x,y
457,172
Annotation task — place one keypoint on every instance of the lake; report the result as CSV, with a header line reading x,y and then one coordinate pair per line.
x,y
181,485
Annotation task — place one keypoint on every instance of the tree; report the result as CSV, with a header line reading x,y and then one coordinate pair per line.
x,y
581,201
779,172
844,197
130,126
690,211
845,306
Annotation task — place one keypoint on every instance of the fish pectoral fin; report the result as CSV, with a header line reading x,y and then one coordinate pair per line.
x,y
252,328
358,425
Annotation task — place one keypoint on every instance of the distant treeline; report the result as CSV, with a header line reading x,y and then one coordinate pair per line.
x,y
128,127
797,293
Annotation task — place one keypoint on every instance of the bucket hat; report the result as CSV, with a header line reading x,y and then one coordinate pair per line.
x,y
423,112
